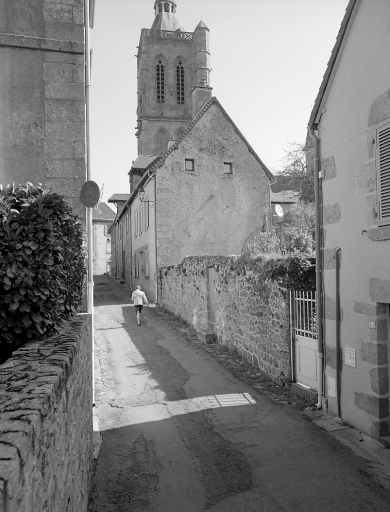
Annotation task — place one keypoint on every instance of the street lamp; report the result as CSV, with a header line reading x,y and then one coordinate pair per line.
x,y
141,195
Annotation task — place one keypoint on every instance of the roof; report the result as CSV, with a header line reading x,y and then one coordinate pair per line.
x,y
159,1
350,12
213,101
103,213
284,196
143,162
116,198
166,21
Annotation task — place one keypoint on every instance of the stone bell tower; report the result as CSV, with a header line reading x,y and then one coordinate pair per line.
x,y
171,64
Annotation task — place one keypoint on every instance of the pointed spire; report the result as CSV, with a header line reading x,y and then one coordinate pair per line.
x,y
165,11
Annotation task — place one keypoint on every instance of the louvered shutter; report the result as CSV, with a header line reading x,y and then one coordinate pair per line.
x,y
383,173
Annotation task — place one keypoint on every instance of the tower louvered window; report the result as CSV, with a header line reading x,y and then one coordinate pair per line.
x,y
383,172
160,82
180,83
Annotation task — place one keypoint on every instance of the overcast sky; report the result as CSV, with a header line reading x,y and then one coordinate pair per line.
x,y
268,58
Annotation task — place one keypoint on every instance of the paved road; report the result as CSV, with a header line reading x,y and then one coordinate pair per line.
x,y
181,434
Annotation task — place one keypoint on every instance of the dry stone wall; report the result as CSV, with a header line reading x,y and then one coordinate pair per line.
x,y
251,313
46,423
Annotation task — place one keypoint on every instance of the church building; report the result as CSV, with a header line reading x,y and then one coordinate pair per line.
x,y
170,63
197,187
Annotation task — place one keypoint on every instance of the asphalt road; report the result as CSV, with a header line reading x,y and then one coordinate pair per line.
x,y
181,434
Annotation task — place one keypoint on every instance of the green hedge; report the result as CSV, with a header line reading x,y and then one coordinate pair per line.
x,y
42,264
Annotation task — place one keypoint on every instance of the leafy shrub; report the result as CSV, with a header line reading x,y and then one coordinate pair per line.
x,y
42,265
262,243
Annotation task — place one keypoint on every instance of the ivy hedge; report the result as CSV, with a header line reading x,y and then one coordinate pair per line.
x,y
295,271
42,264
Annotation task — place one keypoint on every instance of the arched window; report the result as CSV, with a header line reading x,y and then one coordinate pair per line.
x,y
179,134
180,83
162,139
160,7
160,82
166,7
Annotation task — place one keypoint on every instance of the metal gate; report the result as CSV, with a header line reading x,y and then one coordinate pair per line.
x,y
304,338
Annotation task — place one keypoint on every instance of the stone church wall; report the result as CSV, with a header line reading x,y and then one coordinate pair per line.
x,y
250,315
46,423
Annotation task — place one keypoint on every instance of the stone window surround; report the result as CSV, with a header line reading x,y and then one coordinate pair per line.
x,y
188,158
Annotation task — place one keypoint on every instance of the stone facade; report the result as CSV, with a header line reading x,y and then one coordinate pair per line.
x,y
46,423
165,96
42,96
251,315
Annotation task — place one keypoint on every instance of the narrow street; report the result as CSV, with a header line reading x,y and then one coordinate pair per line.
x,y
181,434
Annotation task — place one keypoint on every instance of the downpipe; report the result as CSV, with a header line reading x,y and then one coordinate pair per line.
x,y
338,334
320,344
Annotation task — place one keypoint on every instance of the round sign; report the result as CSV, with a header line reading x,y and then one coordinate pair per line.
x,y
90,194
279,210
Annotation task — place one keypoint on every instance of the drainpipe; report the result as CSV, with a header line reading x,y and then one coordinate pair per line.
x,y
320,347
155,229
338,340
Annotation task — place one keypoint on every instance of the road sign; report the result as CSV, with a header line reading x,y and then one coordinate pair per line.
x,y
90,194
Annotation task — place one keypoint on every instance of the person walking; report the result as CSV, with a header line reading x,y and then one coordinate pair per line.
x,y
139,299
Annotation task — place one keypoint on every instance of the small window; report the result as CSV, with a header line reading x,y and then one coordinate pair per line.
x,y
189,164
146,262
180,83
136,223
383,172
146,214
166,7
160,7
227,168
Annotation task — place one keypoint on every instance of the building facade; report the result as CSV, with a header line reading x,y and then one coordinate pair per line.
x,y
351,128
102,219
42,95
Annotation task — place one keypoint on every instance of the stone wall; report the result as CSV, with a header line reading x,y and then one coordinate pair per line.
x,y
251,314
46,423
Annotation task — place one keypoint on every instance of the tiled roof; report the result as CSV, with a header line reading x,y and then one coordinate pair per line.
x,y
333,61
143,162
118,197
103,212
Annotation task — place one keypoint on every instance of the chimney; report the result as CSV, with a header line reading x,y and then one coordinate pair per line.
x,y
201,94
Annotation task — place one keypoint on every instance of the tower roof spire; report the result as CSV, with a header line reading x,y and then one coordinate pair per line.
x,y
165,11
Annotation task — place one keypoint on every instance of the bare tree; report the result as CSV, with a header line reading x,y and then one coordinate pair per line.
x,y
298,171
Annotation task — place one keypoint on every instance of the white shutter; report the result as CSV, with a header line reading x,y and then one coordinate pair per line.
x,y
383,172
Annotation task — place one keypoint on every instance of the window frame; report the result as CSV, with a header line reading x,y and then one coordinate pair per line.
x,y
193,164
230,172
382,127
160,82
147,268
180,83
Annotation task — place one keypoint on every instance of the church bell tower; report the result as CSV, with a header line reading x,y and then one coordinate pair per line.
x,y
171,63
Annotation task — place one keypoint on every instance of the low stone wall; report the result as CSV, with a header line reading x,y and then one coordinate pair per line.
x,y
251,313
46,423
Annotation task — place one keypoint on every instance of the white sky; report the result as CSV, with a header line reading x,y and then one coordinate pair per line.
x,y
268,58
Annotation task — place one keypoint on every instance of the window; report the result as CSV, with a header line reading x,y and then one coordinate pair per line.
x,y
146,262
160,7
383,172
146,214
227,168
189,164
135,266
136,223
141,218
160,82
166,7
162,139
180,83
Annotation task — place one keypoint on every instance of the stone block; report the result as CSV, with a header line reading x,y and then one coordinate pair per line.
x,y
64,91
328,167
365,179
79,149
332,214
380,290
57,72
65,110
66,168
330,259
369,308
330,309
69,131
380,380
64,31
378,234
67,58
331,357
377,407
374,353
207,337
380,333
78,15
380,109
66,187
59,149
56,12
